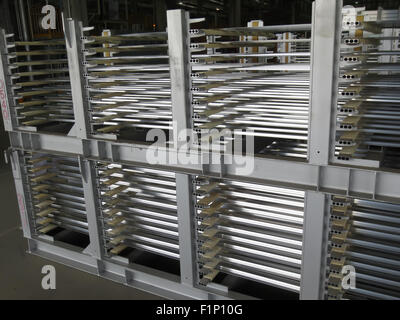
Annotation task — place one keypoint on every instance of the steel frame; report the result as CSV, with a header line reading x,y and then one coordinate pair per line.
x,y
366,183
326,19
136,276
317,176
73,34
315,239
6,100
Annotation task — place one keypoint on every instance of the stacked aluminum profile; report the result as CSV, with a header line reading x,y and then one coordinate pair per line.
x,y
249,231
128,83
249,80
56,193
38,74
366,236
368,126
95,195
138,210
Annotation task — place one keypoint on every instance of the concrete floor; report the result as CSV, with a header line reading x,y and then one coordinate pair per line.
x,y
20,272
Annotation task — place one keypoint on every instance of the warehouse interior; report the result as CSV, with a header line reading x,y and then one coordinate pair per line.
x,y
309,92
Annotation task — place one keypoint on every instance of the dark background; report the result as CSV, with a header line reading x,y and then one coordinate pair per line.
x,y
148,15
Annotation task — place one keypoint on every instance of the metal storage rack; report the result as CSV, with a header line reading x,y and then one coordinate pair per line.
x,y
90,199
38,76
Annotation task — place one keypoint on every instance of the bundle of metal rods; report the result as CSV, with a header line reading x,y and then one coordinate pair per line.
x,y
251,79
304,46
128,83
368,115
40,84
249,231
138,210
56,192
366,236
